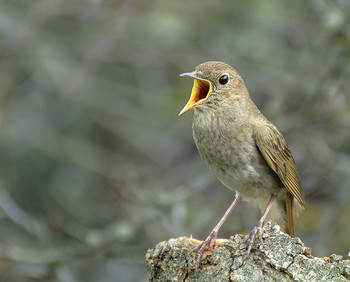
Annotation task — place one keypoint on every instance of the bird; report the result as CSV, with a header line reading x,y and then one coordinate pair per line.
x,y
243,149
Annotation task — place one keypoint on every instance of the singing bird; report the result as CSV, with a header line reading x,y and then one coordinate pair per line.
x,y
245,151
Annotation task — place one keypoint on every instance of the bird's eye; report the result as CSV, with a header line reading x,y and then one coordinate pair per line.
x,y
223,79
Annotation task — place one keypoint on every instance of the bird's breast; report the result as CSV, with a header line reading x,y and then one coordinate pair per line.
x,y
228,148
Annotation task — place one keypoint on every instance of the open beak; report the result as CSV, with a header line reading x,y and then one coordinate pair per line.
x,y
200,91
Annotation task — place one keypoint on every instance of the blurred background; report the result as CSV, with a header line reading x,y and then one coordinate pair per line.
x,y
95,165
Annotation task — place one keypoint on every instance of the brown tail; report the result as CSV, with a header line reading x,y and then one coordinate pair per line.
x,y
289,207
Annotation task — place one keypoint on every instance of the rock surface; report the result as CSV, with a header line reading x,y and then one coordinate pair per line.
x,y
280,258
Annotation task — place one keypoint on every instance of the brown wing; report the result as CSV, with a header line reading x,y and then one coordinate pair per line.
x,y
275,151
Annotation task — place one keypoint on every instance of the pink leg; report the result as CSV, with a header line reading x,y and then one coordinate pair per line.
x,y
213,234
257,229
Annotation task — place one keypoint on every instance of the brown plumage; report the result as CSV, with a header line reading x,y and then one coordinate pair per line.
x,y
243,149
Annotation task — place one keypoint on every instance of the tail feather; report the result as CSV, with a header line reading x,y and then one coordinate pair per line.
x,y
289,208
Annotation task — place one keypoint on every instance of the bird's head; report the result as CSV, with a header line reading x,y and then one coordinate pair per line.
x,y
215,83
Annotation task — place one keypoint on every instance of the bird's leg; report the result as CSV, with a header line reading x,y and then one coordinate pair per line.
x,y
257,229
213,234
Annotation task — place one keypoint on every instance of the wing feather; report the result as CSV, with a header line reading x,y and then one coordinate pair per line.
x,y
275,151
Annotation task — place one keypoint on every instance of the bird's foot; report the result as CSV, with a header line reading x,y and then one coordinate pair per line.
x,y
210,241
250,238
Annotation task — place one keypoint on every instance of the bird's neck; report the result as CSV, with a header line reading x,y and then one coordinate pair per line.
x,y
237,111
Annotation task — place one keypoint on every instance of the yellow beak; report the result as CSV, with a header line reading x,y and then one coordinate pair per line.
x,y
200,91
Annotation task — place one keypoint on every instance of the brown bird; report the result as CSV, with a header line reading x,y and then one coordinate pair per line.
x,y
243,149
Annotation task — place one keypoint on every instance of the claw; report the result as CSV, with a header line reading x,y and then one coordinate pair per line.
x,y
251,238
201,247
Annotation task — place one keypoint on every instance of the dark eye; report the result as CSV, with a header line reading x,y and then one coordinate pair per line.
x,y
223,79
